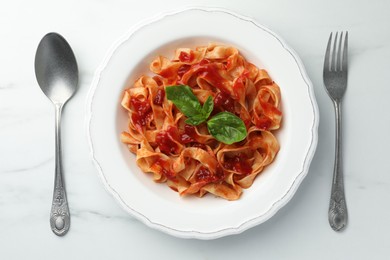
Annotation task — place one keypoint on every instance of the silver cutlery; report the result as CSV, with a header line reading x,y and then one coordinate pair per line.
x,y
335,80
57,75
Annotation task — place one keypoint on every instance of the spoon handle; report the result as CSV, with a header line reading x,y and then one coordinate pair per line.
x,y
59,215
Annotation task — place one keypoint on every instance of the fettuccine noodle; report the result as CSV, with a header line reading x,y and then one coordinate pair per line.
x,y
186,157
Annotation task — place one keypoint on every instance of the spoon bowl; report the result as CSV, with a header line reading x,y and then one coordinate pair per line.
x,y
56,68
57,75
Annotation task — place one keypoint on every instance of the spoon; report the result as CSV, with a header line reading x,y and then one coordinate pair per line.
x,y
57,75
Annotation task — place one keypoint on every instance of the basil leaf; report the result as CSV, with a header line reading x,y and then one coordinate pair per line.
x,y
184,100
208,107
195,120
227,128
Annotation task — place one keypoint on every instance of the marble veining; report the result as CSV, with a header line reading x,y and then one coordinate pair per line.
x,y
28,168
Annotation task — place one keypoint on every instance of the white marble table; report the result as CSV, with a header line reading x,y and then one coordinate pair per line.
x,y
100,228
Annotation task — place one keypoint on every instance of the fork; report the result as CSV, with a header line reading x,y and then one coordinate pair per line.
x,y
335,81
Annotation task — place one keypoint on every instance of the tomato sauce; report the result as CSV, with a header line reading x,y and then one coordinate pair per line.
x,y
168,73
204,175
270,108
189,134
263,123
183,69
239,87
247,122
189,137
186,57
166,140
238,163
229,64
165,170
224,101
142,112
159,98
199,145
210,73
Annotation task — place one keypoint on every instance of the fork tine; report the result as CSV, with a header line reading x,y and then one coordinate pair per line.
x,y
333,62
339,51
344,65
327,54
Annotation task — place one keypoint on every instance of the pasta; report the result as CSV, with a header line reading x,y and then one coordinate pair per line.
x,y
187,157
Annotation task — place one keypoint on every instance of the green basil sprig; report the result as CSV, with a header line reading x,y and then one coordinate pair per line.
x,y
225,126
189,105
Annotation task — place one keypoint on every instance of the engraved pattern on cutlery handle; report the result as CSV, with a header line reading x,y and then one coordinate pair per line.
x,y
59,215
338,213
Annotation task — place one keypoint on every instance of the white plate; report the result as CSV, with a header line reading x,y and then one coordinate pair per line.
x,y
155,204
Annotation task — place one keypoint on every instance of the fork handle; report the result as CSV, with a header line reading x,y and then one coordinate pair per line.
x,y
338,214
